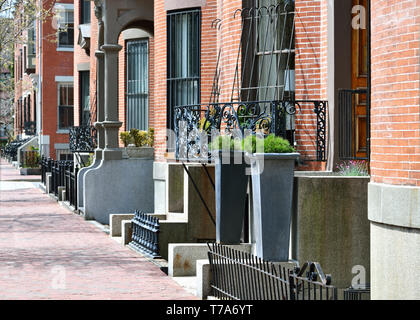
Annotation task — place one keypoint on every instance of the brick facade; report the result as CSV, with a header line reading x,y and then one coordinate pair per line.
x,y
395,109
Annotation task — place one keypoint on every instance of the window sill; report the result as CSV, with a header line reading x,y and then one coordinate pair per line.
x,y
65,49
62,131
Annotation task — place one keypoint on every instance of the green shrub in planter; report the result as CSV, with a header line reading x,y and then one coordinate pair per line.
x,y
126,138
272,144
231,184
272,172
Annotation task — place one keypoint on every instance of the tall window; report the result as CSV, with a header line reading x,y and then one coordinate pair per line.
x,y
275,51
84,98
65,28
183,75
84,11
65,105
137,85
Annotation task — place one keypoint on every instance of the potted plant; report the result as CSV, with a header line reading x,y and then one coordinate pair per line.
x,y
272,171
231,184
138,143
31,163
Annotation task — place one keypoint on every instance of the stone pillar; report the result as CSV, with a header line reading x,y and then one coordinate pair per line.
x,y
111,123
100,105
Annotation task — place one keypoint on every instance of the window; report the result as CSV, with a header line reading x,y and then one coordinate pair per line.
x,y
85,11
275,52
65,106
137,86
84,98
183,73
65,28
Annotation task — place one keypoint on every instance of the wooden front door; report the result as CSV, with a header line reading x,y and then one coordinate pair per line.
x,y
359,80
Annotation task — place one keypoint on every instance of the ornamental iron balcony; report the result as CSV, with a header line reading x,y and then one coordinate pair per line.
x,y
82,139
194,124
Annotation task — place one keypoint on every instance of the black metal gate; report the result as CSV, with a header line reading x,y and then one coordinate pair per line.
x,y
347,124
237,275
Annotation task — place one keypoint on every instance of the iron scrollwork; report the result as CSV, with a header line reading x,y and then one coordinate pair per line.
x,y
82,139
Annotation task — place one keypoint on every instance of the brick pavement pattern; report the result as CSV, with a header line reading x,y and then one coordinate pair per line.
x,y
47,252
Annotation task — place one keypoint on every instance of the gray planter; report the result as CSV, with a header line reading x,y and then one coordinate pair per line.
x,y
272,191
231,184
138,152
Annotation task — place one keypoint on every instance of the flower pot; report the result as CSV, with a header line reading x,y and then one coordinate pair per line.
x,y
272,192
231,184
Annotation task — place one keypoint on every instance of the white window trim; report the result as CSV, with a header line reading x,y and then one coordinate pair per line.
x,y
66,7
65,49
64,79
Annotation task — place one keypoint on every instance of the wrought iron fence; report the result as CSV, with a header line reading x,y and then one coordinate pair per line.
x,y
194,124
11,149
70,181
350,125
46,166
145,234
238,275
82,139
362,293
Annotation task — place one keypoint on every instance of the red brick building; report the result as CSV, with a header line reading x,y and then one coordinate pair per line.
x,y
47,95
352,68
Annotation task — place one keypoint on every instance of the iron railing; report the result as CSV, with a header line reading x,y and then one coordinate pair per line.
x,y
46,165
11,149
195,124
70,176
362,293
82,139
238,275
145,234
349,125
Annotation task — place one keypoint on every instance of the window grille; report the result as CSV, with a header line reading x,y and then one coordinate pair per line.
x,y
184,43
137,85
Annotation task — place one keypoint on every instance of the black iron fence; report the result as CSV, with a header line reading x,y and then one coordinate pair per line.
x,y
145,234
46,165
70,176
82,139
194,125
238,275
11,149
354,123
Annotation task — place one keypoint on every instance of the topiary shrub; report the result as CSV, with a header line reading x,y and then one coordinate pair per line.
x,y
272,144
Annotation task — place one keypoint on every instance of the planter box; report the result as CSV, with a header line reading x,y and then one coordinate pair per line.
x,y
30,171
272,192
331,224
138,152
231,184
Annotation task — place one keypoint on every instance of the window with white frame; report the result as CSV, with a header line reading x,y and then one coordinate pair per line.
x,y
65,105
65,27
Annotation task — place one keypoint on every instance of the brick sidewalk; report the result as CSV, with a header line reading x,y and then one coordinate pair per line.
x,y
47,252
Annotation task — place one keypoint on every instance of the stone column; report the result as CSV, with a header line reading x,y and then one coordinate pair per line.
x,y
111,123
100,104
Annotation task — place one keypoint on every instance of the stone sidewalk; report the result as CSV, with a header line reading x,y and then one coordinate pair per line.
x,y
47,252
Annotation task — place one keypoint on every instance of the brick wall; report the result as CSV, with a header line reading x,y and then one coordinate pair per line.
x,y
208,63
395,110
54,63
311,72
